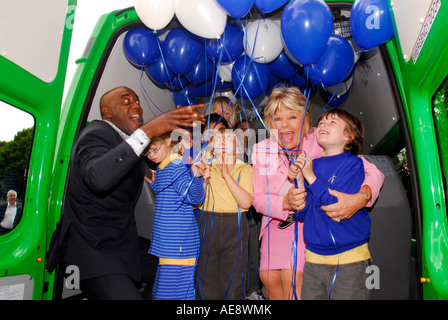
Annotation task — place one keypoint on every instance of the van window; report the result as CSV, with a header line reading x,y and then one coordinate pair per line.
x,y
440,112
31,34
16,133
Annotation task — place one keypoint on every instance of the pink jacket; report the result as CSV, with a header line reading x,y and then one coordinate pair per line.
x,y
270,170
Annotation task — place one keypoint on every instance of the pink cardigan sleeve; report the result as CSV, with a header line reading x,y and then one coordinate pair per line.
x,y
269,173
374,177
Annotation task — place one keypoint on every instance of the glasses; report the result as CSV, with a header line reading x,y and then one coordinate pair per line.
x,y
150,152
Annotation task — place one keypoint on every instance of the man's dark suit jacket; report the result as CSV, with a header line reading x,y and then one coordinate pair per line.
x,y
98,231
3,208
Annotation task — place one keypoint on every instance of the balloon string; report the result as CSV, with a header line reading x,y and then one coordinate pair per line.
x,y
166,68
144,90
295,239
326,105
252,54
331,233
365,50
240,241
163,58
337,266
207,192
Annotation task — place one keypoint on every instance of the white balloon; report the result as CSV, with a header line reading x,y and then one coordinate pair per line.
x,y
356,50
225,71
204,18
289,55
155,14
264,40
341,88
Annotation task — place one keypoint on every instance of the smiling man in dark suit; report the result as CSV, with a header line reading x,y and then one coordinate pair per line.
x,y
10,213
98,233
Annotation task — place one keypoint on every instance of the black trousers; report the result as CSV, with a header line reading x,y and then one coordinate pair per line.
x,y
122,286
223,259
110,287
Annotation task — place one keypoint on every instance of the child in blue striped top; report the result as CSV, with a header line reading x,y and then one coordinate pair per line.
x,y
175,234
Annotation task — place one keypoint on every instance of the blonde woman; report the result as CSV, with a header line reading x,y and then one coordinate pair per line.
x,y
219,105
281,257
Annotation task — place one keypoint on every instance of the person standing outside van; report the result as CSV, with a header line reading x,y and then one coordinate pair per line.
x,y
10,212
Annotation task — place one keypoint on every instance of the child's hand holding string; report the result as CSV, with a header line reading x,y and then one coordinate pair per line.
x,y
294,172
152,178
306,166
200,169
295,169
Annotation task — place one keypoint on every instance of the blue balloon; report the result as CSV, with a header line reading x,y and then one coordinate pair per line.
x,y
182,97
335,64
201,72
178,83
283,67
298,80
267,6
306,26
182,50
332,99
371,23
277,85
230,43
159,73
140,46
223,85
309,92
203,90
236,8
252,76
311,75
273,80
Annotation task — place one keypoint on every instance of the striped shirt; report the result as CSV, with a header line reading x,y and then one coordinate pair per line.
x,y
175,231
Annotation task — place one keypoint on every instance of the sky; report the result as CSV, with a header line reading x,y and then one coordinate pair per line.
x,y
13,120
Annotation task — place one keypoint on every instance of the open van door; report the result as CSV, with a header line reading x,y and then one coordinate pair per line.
x,y
34,48
421,56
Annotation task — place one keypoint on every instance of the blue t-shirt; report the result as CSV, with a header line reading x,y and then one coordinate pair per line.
x,y
345,173
175,231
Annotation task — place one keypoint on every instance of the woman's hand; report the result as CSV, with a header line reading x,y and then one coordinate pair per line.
x,y
346,207
294,199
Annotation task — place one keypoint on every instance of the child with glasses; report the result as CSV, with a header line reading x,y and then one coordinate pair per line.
x,y
175,234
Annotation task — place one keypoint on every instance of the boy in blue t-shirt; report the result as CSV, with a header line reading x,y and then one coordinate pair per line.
x,y
337,253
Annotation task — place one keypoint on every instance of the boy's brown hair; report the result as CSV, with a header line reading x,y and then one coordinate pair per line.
x,y
353,128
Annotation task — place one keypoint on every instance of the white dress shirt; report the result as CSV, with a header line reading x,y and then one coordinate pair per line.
x,y
9,217
138,140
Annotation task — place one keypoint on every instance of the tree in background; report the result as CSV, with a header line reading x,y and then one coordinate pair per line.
x,y
14,161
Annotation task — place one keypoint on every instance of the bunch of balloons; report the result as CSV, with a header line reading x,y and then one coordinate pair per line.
x,y
216,48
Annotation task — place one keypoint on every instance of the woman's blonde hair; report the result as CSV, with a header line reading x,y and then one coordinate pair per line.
x,y
288,97
220,103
